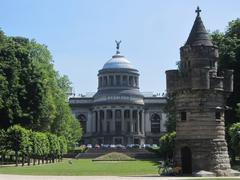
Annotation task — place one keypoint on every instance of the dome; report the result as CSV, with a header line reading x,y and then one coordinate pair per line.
x,y
118,62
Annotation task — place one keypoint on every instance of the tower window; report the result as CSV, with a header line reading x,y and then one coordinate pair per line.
x,y
183,116
217,115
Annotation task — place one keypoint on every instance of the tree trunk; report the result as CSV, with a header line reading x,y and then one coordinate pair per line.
x,y
34,161
29,160
16,156
2,159
23,160
38,161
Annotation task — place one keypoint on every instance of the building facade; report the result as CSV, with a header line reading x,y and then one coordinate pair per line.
x,y
119,113
200,92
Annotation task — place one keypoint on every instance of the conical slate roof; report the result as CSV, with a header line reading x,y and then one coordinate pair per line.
x,y
198,35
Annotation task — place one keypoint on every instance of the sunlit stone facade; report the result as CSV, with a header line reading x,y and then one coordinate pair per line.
x,y
118,113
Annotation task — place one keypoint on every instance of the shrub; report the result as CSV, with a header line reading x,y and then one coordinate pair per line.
x,y
167,143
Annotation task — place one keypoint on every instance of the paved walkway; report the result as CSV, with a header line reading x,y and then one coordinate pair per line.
x,y
20,177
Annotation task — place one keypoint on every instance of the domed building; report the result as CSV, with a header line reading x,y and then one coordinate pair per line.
x,y
119,113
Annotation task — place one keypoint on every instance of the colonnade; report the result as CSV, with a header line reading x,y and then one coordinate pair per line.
x,y
118,121
117,80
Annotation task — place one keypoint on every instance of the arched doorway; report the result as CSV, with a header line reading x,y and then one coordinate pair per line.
x,y
186,158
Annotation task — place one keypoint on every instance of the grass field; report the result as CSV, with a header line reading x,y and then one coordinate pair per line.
x,y
86,167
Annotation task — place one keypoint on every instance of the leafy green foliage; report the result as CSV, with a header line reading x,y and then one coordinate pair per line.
x,y
54,146
234,133
229,58
170,110
3,141
29,144
19,141
63,145
33,94
167,142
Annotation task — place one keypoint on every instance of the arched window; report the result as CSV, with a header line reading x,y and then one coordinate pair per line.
x,y
155,123
83,121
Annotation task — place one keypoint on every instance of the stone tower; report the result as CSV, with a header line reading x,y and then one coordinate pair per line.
x,y
200,93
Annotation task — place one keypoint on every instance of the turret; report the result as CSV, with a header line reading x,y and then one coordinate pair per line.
x,y
200,93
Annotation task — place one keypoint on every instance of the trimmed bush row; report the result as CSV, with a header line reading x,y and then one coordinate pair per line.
x,y
29,145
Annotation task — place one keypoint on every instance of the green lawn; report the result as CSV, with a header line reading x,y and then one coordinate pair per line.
x,y
86,167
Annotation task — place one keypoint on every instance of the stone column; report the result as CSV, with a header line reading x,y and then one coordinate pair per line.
x,y
94,122
122,120
113,121
138,119
89,122
131,120
105,121
143,125
98,121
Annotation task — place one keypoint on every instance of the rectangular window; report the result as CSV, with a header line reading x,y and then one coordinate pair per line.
x,y
218,115
183,116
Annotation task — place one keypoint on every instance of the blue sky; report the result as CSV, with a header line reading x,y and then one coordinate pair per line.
x,y
80,34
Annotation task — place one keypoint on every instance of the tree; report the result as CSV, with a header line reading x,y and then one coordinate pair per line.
x,y
33,94
229,58
3,144
167,142
63,146
45,147
19,141
54,147
234,132
64,123
170,110
36,139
